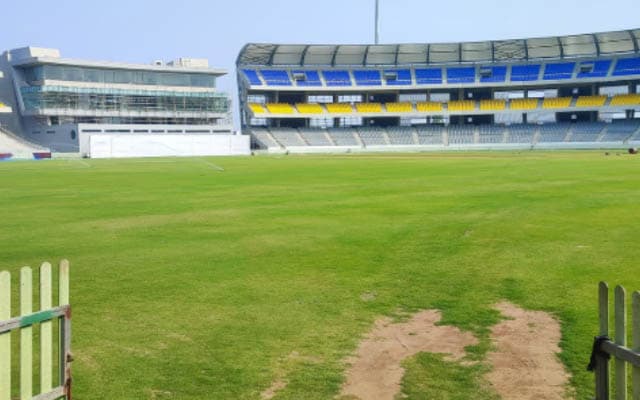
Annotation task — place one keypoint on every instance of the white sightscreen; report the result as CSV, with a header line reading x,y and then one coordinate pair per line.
x,y
183,145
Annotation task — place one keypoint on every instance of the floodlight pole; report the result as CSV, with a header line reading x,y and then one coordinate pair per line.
x,y
377,22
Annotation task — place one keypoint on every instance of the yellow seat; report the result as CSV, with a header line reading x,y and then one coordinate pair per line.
x,y
591,101
494,105
429,106
257,108
311,108
462,105
524,104
399,107
557,102
339,108
280,108
626,100
368,107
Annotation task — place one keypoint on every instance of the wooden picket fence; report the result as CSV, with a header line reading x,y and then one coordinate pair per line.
x,y
24,324
605,348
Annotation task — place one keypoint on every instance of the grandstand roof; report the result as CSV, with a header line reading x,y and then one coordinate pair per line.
x,y
513,50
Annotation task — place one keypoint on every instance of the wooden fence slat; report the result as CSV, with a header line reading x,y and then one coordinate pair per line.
x,y
26,335
602,363
5,339
46,332
621,339
635,376
603,300
63,300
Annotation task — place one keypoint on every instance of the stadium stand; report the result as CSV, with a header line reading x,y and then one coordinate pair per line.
x,y
252,76
461,134
428,76
491,134
461,75
337,78
525,73
523,104
594,69
625,100
522,133
559,71
264,138
399,107
257,108
627,66
429,106
461,105
369,107
288,137
401,135
430,134
552,133
344,137
587,131
316,137
620,131
493,74
276,77
306,78
280,108
557,102
398,77
339,108
367,77
312,108
552,93
493,105
373,136
18,147
591,101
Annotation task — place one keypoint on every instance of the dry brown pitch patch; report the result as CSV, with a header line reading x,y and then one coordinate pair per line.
x,y
376,368
525,362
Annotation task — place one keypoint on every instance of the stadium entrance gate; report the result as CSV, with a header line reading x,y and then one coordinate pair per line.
x,y
24,324
604,348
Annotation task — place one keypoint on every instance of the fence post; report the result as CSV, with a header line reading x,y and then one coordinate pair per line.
x,y
65,329
26,335
5,338
636,344
46,334
602,362
621,340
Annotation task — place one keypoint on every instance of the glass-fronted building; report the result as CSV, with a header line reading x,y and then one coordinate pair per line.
x,y
52,96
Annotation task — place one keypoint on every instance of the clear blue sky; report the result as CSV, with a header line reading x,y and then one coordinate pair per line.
x,y
143,31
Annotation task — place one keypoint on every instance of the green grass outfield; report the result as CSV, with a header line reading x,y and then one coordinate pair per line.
x,y
193,283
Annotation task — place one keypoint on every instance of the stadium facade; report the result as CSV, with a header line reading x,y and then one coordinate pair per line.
x,y
107,109
578,91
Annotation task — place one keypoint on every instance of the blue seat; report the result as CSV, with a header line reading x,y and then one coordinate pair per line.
x,y
559,71
367,77
627,66
525,73
498,74
312,78
461,75
276,77
428,76
252,76
600,69
403,77
337,78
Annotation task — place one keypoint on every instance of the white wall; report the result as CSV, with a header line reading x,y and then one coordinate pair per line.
x,y
105,145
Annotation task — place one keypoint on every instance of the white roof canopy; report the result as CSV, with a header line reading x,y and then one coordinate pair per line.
x,y
557,47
